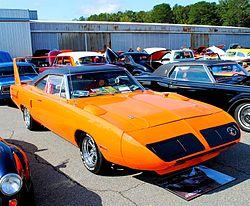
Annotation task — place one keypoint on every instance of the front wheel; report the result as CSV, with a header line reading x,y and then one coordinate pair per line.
x,y
92,158
242,116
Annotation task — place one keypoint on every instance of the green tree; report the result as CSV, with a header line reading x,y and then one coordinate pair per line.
x,y
181,14
162,13
204,13
235,12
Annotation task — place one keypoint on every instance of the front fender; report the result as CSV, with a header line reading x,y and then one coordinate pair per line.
x,y
243,97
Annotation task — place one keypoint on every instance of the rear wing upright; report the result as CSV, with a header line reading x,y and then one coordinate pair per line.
x,y
16,72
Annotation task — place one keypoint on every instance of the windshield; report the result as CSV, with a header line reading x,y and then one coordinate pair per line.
x,y
91,59
227,70
23,70
103,83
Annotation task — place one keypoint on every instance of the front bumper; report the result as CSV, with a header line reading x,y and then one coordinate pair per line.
x,y
179,145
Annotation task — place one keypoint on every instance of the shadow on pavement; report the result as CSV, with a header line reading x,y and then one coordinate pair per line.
x,y
233,162
53,187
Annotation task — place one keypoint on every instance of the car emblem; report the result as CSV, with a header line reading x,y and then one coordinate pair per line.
x,y
232,131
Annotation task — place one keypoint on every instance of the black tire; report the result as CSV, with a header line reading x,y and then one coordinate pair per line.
x,y
30,123
242,116
96,164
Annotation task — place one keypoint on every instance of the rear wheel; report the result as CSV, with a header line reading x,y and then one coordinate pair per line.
x,y
30,123
242,116
92,158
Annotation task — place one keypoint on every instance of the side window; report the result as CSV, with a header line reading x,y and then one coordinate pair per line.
x,y
66,61
42,83
240,54
54,85
196,73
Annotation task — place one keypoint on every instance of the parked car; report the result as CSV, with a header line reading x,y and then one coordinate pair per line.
x,y
27,73
136,63
104,111
238,55
15,180
75,59
5,57
224,84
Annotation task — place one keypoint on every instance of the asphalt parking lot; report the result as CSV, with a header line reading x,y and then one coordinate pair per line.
x,y
60,178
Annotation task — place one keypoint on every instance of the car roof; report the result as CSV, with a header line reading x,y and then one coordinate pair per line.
x,y
69,70
7,64
162,69
79,54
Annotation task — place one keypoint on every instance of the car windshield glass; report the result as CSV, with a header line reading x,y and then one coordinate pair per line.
x,y
23,70
227,70
102,83
91,59
183,55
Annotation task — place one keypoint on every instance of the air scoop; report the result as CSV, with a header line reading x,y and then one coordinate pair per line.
x,y
95,110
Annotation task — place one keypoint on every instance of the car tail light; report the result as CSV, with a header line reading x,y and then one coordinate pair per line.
x,y
13,202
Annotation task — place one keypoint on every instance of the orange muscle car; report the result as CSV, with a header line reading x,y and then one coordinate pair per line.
x,y
104,111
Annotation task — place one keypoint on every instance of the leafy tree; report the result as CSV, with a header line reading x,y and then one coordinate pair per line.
x,y
181,14
162,13
235,12
204,13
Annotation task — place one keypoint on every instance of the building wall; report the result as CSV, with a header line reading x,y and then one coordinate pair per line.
x,y
15,35
123,36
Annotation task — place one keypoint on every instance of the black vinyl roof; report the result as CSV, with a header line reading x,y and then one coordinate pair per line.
x,y
69,70
162,69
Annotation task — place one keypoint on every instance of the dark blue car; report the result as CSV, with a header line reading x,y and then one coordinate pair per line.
x,y
27,73
15,180
5,57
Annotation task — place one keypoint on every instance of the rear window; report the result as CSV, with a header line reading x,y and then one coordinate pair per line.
x,y
91,59
23,70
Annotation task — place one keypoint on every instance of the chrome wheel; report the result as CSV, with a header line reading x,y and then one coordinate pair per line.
x,y
244,115
26,117
89,152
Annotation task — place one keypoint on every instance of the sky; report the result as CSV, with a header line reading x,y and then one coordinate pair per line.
x,y
71,9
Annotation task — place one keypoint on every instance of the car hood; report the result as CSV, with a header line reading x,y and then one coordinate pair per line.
x,y
139,110
8,80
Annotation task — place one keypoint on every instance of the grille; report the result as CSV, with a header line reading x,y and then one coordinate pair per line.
x,y
221,135
177,147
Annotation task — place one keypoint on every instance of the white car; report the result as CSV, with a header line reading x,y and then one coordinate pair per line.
x,y
178,55
79,58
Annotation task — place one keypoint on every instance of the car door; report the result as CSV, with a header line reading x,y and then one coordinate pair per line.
x,y
192,81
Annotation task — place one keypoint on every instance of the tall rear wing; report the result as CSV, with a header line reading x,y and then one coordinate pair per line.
x,y
16,72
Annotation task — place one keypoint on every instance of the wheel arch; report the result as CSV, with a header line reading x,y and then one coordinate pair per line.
x,y
236,103
79,135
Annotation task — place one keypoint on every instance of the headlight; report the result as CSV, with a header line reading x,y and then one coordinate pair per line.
x,y
10,184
